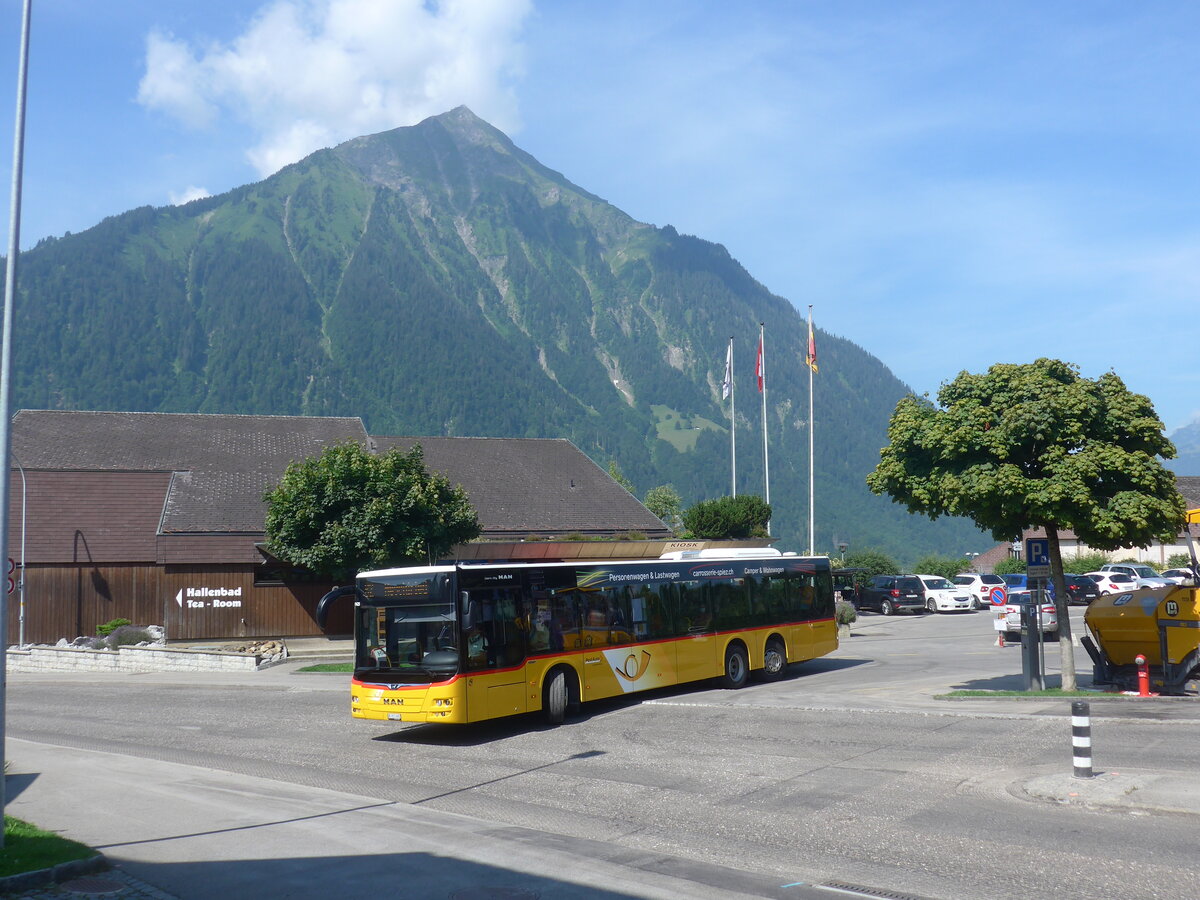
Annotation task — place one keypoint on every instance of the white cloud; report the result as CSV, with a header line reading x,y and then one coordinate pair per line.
x,y
308,73
190,193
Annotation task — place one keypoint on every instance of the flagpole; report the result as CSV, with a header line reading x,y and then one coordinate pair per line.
x,y
732,426
812,361
762,386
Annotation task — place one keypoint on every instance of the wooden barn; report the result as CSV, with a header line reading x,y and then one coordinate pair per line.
x,y
158,517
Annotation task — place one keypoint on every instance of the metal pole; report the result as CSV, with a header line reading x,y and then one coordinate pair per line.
x,y
732,427
10,292
762,374
812,540
21,575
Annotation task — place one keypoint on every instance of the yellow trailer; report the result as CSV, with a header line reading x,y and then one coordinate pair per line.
x,y
1161,624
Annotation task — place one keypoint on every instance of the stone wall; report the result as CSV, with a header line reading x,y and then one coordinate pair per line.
x,y
129,659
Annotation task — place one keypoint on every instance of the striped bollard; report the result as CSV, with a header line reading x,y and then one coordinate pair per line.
x,y
1081,738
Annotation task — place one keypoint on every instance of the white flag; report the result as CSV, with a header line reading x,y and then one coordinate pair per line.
x,y
727,384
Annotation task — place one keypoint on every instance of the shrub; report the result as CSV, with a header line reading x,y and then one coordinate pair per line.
x,y
110,626
1010,565
1087,562
873,562
945,566
845,613
1179,561
729,518
127,635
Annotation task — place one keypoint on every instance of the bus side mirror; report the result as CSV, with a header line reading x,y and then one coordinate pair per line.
x,y
467,611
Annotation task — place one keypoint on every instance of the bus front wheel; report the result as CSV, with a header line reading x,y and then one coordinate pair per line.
x,y
737,668
554,703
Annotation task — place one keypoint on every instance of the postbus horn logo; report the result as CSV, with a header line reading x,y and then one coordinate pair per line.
x,y
634,668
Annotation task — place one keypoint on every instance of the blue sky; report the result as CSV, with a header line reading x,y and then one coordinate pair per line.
x,y
951,185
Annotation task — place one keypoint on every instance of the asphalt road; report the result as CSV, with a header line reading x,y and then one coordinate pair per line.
x,y
850,772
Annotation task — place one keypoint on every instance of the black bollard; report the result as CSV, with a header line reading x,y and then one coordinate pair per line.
x,y
1081,738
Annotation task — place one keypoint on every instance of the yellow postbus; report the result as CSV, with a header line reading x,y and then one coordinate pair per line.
x,y
466,642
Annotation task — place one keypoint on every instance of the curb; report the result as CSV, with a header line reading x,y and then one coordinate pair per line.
x,y
28,881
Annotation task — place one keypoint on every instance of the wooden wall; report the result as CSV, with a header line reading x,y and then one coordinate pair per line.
x,y
65,601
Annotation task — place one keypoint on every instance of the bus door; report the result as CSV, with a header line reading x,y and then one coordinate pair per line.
x,y
495,629
819,608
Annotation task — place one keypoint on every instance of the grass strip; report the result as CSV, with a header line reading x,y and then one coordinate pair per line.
x,y
28,848
328,667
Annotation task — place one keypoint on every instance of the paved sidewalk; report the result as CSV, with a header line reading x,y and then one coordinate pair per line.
x,y
195,834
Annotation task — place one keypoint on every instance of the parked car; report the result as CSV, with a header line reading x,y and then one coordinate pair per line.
x,y
1016,580
892,593
979,586
1081,589
1012,617
1145,576
1112,582
1179,576
942,596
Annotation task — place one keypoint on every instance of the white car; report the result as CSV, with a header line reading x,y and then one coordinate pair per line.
x,y
1179,576
942,596
1145,576
1112,582
980,587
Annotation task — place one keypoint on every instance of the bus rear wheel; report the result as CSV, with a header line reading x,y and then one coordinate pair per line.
x,y
737,668
554,701
774,660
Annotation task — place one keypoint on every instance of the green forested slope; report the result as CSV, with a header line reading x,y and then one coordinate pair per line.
x,y
438,280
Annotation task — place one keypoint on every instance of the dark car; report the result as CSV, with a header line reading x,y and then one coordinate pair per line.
x,y
1081,589
892,593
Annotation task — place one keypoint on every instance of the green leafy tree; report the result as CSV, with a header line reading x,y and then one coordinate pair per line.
x,y
1036,445
615,473
729,518
874,562
349,510
664,501
1010,565
946,566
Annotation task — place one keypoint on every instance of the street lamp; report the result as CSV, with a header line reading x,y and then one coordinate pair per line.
x,y
971,560
842,545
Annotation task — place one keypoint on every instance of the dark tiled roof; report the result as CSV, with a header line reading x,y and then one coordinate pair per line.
x,y
87,517
1189,486
522,486
221,464
128,476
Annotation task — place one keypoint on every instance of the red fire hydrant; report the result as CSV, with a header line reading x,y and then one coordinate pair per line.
x,y
1143,676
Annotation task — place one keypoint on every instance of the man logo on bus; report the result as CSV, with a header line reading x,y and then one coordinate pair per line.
x,y
634,668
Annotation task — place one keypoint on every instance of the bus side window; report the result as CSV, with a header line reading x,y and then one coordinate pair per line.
x,y
540,618
619,628
564,622
803,586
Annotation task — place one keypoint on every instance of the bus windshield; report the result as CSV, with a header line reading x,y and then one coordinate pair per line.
x,y
405,628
